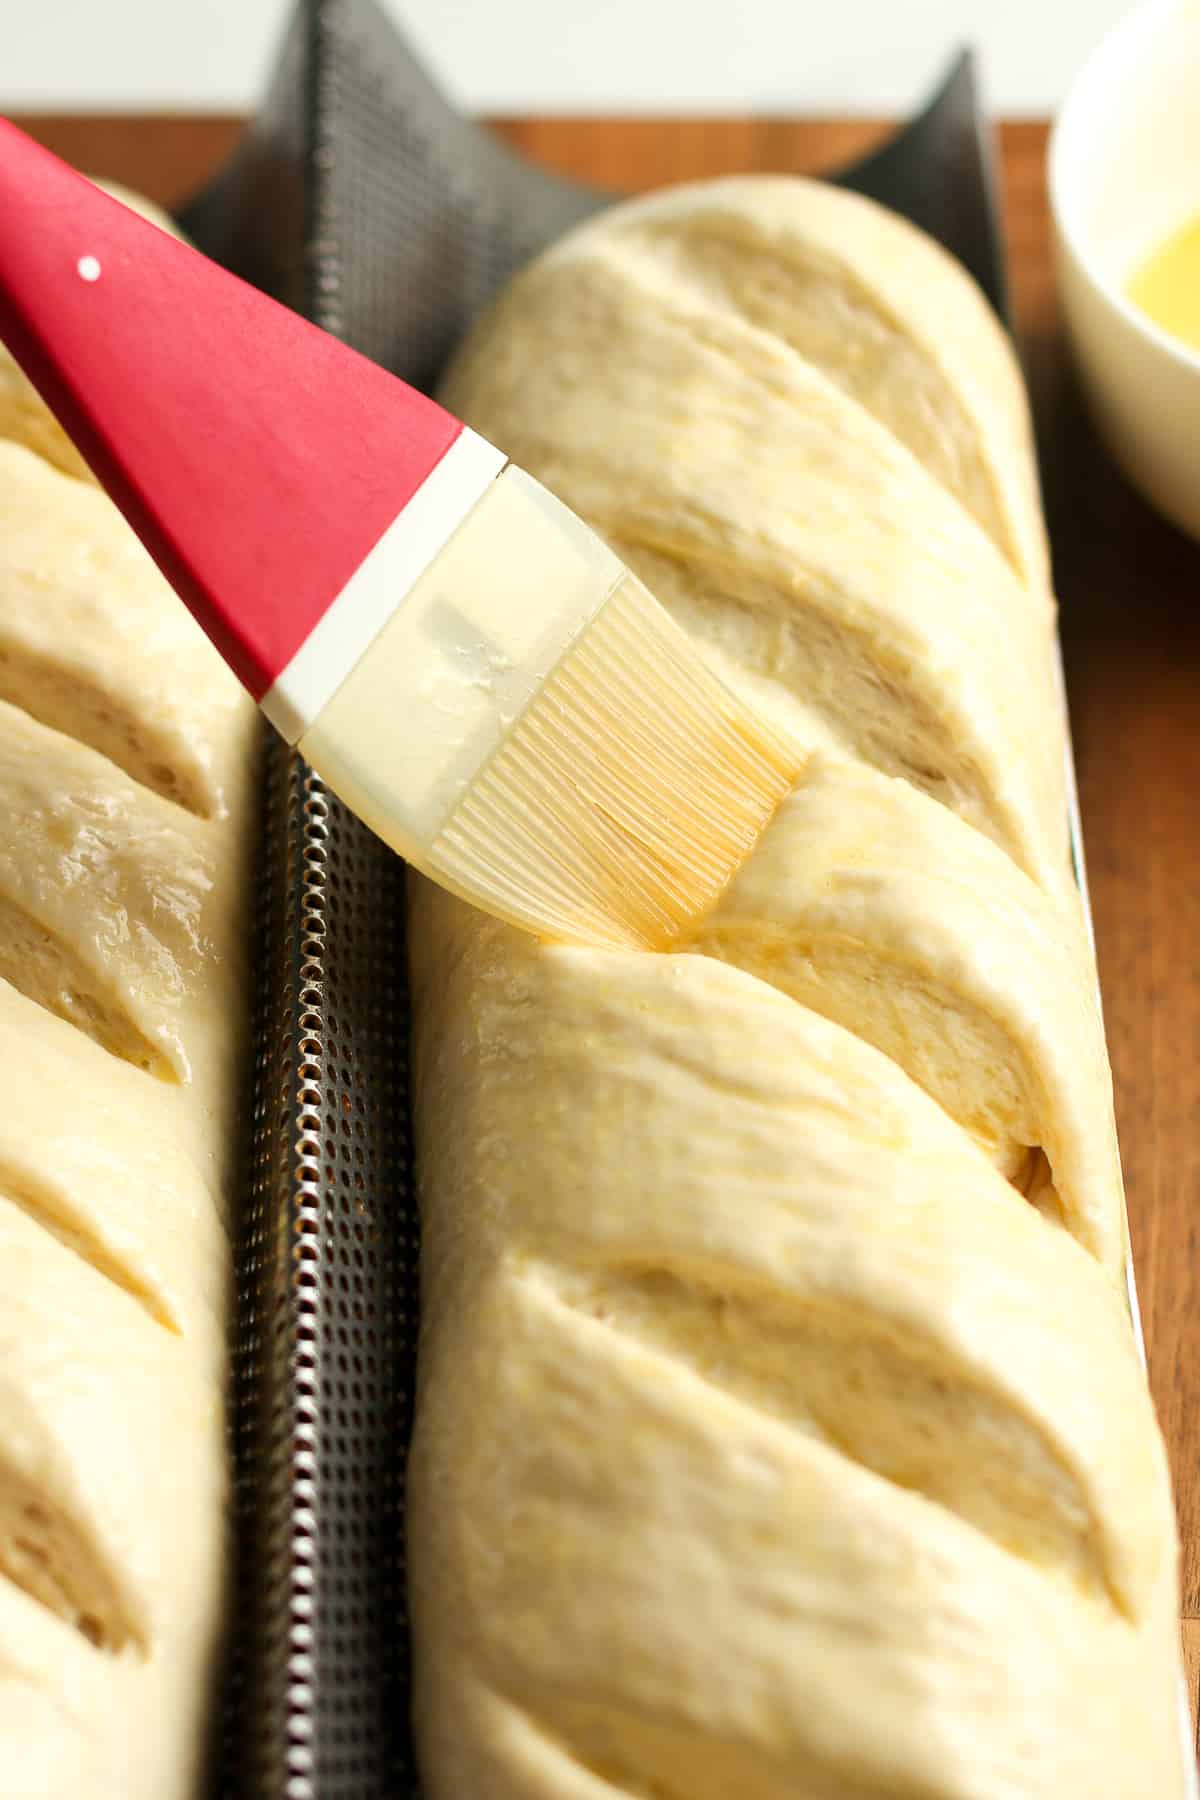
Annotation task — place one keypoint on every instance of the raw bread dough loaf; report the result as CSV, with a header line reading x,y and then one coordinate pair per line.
x,y
126,763
781,1429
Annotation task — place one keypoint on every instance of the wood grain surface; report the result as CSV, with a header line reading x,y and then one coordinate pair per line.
x,y
1130,593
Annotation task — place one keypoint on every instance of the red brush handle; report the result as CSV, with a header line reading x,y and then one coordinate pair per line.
x,y
257,458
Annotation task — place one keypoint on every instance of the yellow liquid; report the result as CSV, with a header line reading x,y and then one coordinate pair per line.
x,y
1167,286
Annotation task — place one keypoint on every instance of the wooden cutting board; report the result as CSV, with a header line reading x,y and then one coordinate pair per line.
x,y
1130,593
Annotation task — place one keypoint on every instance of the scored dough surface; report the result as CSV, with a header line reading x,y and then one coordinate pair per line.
x,y
88,645
782,523
127,760
780,1427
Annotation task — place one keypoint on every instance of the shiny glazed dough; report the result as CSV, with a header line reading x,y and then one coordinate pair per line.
x,y
88,646
126,763
781,1429
799,540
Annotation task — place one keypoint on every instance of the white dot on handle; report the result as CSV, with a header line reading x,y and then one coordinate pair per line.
x,y
89,268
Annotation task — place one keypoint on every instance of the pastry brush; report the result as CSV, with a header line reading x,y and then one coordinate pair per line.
x,y
464,662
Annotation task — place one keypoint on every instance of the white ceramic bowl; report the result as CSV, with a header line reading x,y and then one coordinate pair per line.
x,y
1124,173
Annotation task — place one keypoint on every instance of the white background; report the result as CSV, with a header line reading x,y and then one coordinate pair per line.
x,y
785,56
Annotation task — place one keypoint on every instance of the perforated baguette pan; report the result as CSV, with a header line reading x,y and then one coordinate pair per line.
x,y
362,199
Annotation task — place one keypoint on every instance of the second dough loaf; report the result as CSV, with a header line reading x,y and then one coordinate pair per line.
x,y
127,754
781,1429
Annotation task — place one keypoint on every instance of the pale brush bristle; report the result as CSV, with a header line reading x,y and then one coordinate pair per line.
x,y
626,795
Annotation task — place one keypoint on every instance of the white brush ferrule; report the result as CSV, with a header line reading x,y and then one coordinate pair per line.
x,y
455,666
381,583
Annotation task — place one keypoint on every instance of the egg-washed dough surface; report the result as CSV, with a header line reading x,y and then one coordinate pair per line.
x,y
127,753
878,908
781,1428
783,525
882,311
89,646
